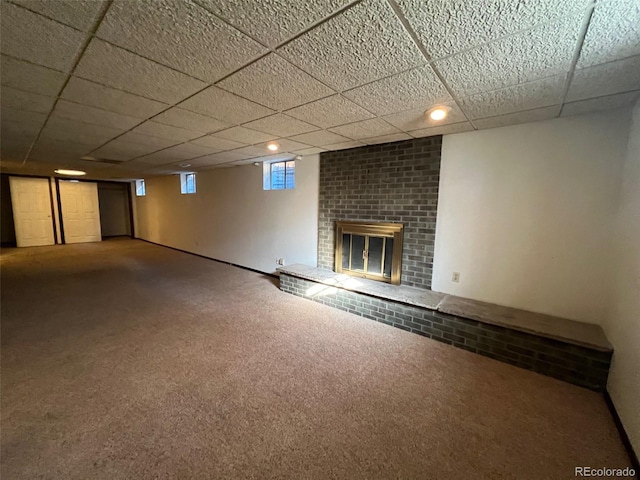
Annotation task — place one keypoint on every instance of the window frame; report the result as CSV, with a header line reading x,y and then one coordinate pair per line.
x,y
141,183
268,173
184,183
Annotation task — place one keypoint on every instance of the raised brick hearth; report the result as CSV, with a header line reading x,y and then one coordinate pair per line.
x,y
575,352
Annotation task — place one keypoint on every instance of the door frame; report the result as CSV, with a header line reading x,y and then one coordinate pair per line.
x,y
57,179
53,214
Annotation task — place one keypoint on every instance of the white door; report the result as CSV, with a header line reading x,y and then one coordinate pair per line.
x,y
80,211
31,201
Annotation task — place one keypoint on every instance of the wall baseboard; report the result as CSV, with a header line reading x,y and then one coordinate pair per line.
x,y
210,258
623,434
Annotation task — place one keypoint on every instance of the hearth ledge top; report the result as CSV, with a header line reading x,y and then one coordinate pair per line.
x,y
397,293
556,328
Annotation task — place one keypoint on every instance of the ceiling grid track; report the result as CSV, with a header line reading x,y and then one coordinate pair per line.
x,y
576,55
405,23
88,38
387,75
252,61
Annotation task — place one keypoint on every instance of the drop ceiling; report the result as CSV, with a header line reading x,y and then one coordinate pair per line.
x,y
140,87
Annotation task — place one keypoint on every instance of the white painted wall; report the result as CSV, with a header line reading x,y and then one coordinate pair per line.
x,y
525,214
231,218
623,325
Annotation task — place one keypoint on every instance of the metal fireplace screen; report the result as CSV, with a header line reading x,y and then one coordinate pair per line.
x,y
369,250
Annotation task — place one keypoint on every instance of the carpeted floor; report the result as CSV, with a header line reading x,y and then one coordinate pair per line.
x,y
126,360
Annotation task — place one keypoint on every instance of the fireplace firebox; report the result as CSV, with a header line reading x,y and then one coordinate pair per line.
x,y
369,250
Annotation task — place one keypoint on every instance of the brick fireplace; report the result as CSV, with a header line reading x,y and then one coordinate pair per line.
x,y
397,184
389,183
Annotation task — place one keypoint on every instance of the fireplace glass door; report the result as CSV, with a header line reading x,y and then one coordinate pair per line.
x,y
369,250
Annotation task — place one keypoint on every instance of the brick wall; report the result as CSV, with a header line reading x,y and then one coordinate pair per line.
x,y
393,182
571,363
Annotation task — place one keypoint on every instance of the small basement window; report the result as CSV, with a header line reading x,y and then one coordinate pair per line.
x,y
140,188
187,183
279,175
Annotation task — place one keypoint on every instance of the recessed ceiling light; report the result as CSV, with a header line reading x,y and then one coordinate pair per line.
x,y
273,147
62,171
438,113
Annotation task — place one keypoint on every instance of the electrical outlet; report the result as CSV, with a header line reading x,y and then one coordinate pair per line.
x,y
455,277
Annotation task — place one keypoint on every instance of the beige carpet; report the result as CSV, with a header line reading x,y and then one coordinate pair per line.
x,y
125,360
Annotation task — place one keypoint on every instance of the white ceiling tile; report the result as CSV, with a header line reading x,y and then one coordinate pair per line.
x,y
330,112
179,34
80,14
281,125
115,67
245,135
261,150
605,79
179,117
445,28
19,133
344,145
217,158
442,130
201,162
365,129
14,149
50,149
17,139
55,45
274,82
418,118
598,104
251,151
151,141
122,150
166,131
418,87
542,52
394,137
106,98
320,138
518,117
32,78
614,33
29,101
526,96
309,151
63,129
225,106
175,154
96,116
268,158
287,145
217,143
274,21
222,165
11,115
369,41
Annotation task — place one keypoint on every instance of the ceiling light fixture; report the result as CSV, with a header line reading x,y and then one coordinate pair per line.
x,y
185,165
273,147
438,113
62,171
